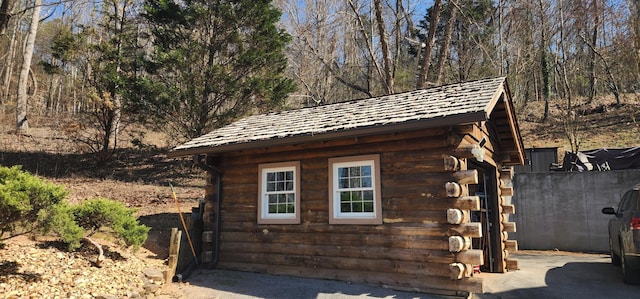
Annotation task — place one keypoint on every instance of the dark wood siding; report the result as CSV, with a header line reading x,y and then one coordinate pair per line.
x,y
410,249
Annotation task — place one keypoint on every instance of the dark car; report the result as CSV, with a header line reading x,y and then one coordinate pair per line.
x,y
624,235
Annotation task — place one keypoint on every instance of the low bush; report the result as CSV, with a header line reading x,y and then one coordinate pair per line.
x,y
26,201
94,214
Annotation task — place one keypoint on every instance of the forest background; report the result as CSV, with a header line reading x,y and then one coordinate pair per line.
x,y
98,68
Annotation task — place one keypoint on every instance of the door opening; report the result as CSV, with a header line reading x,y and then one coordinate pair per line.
x,y
488,216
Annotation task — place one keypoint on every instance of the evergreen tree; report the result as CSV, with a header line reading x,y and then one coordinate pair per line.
x,y
112,65
212,62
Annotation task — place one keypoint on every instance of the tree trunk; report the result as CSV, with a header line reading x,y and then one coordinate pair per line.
x,y
426,56
100,258
368,42
634,7
384,43
22,124
544,64
612,81
444,48
6,12
592,57
117,98
8,71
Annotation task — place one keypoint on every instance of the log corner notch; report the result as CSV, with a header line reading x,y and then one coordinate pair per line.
x,y
460,245
506,208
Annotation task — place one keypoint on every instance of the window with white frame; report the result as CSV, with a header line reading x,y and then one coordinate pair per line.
x,y
279,199
354,188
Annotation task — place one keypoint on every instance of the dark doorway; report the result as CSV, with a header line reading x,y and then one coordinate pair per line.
x,y
488,215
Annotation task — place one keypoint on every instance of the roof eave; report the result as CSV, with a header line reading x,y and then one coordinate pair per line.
x,y
451,120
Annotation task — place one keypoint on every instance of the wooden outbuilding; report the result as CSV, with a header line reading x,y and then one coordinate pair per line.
x,y
410,190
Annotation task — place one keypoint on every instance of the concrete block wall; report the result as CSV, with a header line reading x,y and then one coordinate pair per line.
x,y
561,210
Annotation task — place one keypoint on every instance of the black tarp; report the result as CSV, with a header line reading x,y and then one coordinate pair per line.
x,y
602,159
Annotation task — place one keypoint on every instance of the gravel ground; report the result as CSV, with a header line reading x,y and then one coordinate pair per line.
x,y
31,269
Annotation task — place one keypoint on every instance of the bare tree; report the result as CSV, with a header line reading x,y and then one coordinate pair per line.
x,y
8,68
425,62
384,43
6,13
443,56
613,85
358,45
544,63
634,23
592,57
22,123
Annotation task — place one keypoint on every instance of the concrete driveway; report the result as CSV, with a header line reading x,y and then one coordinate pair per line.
x,y
545,274
542,275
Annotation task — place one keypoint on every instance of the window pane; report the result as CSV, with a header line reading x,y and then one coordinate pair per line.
x,y
345,207
271,187
366,170
367,195
368,207
356,196
366,182
289,175
343,172
271,176
273,198
289,186
354,183
345,197
280,176
280,186
357,207
344,183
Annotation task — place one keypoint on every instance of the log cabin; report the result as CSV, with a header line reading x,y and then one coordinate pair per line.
x,y
410,190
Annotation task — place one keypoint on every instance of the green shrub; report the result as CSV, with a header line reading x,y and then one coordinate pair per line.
x,y
26,201
61,221
95,214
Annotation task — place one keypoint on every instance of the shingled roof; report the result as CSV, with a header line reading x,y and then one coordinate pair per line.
x,y
440,106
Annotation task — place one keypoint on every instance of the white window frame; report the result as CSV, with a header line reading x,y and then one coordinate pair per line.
x,y
335,214
264,217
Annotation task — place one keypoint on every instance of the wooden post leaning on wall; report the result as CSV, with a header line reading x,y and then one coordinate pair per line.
x,y
174,249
